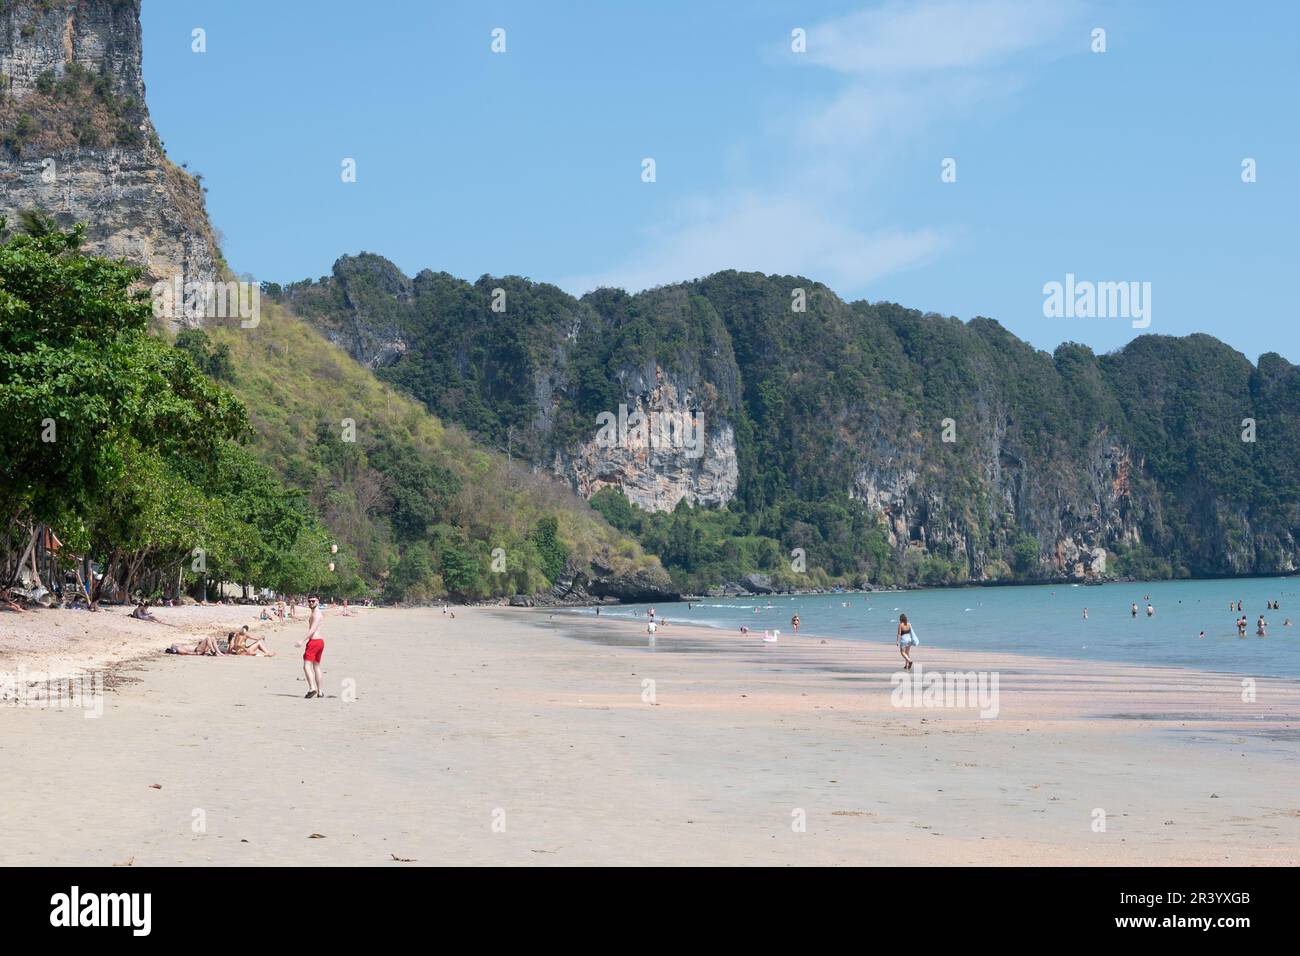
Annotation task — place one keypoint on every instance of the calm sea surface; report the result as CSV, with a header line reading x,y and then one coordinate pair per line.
x,y
1040,620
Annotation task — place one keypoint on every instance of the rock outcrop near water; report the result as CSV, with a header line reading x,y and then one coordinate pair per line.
x,y
77,144
972,455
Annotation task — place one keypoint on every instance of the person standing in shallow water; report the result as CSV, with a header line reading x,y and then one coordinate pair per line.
x,y
906,640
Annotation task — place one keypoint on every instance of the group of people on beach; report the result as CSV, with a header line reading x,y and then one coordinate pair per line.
x,y
242,643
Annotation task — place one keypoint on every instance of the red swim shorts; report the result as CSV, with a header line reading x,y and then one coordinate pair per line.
x,y
314,649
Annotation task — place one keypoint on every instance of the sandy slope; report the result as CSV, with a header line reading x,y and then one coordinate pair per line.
x,y
63,642
496,717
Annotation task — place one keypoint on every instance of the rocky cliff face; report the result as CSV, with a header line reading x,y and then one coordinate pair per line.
x,y
657,448
659,434
971,455
78,144
1071,527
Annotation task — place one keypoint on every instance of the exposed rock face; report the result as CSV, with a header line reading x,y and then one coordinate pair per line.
x,y
89,153
103,35
661,437
657,448
1073,520
371,335
579,585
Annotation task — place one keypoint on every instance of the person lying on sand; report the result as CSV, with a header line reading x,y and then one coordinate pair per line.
x,y
142,613
206,647
243,644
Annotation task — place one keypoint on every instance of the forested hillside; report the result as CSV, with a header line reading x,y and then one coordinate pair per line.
x,y
258,455
825,459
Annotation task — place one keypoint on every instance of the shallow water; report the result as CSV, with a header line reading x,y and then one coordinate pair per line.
x,y
1045,620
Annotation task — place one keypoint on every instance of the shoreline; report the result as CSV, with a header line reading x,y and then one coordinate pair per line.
x,y
961,586
638,635
880,662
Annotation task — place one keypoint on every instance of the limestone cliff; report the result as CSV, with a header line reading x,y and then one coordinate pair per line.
x,y
671,438
77,144
885,444
657,448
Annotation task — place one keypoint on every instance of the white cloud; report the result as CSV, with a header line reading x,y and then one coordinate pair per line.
x,y
773,234
906,67
906,38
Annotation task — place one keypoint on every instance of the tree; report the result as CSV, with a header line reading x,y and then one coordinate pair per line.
x,y
553,554
121,440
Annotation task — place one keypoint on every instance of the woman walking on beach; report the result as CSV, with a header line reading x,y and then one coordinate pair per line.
x,y
906,640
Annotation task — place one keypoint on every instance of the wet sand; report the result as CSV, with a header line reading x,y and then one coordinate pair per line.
x,y
498,738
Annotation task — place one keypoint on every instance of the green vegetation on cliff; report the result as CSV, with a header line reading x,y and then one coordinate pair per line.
x,y
418,509
1067,464
244,454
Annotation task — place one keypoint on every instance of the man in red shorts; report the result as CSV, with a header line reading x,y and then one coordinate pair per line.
x,y
315,648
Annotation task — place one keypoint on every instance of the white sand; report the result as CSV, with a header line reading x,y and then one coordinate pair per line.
x,y
496,716
65,642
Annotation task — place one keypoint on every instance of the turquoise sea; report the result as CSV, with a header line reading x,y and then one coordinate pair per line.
x,y
1044,620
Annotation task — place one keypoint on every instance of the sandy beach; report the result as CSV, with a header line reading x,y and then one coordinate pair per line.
x,y
517,738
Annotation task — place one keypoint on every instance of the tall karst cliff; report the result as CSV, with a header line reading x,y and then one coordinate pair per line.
x,y
972,455
77,144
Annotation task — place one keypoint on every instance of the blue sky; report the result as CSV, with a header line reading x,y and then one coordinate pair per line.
x,y
1115,166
